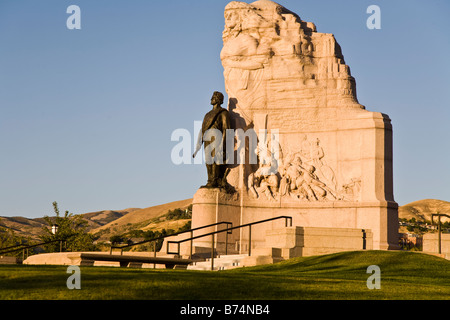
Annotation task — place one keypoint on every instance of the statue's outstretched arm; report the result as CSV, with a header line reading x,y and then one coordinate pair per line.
x,y
199,143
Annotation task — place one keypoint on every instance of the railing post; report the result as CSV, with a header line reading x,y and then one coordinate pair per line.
x,y
250,240
439,234
192,243
154,253
364,239
226,243
290,221
212,252
229,225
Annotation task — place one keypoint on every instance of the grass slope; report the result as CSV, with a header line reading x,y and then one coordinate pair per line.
x,y
404,275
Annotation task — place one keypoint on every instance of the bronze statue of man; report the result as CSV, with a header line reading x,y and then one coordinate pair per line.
x,y
214,126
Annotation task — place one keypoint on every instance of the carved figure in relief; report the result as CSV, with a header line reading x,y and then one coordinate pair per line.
x,y
284,183
313,154
305,148
260,182
316,153
252,184
325,173
352,189
300,181
315,189
244,55
302,175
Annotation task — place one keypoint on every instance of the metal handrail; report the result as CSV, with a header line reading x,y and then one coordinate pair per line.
x,y
169,235
228,230
26,247
14,246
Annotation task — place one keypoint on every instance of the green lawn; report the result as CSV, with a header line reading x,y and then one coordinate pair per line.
x,y
404,275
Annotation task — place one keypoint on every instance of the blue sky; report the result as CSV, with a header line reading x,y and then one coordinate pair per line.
x,y
86,115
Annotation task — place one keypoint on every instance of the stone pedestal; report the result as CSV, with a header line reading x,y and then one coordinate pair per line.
x,y
210,206
377,219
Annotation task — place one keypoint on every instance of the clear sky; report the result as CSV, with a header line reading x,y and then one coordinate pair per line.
x,y
86,116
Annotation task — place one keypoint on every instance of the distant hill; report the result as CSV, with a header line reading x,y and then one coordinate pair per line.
x,y
101,218
113,222
24,227
144,219
423,209
32,228
107,222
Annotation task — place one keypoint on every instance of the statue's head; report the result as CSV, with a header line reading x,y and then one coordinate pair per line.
x,y
217,98
240,16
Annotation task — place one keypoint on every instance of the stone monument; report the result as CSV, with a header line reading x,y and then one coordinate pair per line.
x,y
322,158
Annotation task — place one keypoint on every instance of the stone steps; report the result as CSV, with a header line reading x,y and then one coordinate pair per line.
x,y
261,255
223,262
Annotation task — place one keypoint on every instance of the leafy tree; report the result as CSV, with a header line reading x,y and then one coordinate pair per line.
x,y
72,230
178,213
9,239
116,239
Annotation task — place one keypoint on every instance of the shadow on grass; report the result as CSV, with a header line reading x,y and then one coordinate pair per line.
x,y
338,276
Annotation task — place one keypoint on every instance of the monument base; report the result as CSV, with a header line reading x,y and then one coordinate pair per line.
x,y
291,242
326,226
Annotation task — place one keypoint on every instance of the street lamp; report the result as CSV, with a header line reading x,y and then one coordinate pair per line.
x,y
55,228
54,231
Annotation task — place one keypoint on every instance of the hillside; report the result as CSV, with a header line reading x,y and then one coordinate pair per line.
x,y
423,209
101,218
107,222
32,227
144,219
24,227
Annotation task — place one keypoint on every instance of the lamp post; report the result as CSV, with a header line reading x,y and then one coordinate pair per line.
x,y
55,228
54,231
439,215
